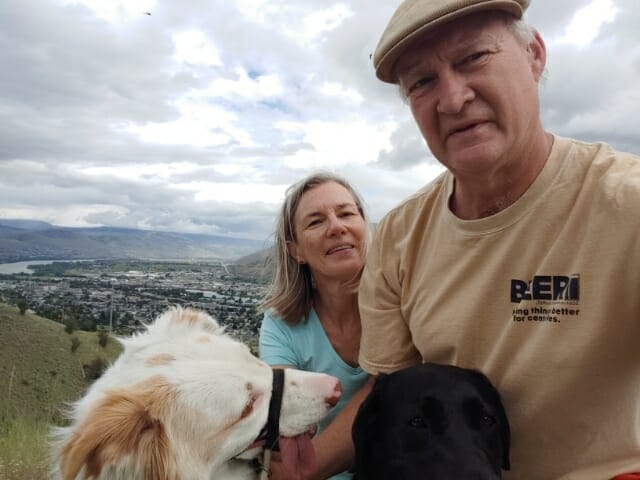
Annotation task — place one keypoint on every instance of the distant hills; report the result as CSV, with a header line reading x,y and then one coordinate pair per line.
x,y
254,265
34,240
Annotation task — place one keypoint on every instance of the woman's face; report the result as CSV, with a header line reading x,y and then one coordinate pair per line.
x,y
330,233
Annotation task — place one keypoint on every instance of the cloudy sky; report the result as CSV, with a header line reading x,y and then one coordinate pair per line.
x,y
197,117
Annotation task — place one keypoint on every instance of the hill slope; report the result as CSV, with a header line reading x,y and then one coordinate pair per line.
x,y
255,265
38,371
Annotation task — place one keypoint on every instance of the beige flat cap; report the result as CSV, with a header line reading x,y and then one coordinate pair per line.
x,y
414,18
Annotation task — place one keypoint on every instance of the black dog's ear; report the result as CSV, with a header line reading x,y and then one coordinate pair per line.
x,y
502,419
505,435
503,422
363,426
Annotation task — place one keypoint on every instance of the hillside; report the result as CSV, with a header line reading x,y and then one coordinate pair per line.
x,y
24,240
255,265
38,372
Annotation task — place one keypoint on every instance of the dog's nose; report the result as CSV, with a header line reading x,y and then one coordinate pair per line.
x,y
332,400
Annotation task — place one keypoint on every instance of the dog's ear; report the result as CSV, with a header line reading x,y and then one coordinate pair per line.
x,y
120,424
505,434
503,423
491,392
363,426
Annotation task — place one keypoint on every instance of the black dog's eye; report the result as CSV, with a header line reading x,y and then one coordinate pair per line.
x,y
416,422
488,420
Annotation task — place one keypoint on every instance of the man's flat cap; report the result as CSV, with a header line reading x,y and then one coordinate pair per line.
x,y
414,18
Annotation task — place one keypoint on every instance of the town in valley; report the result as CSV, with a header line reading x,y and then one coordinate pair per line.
x,y
121,296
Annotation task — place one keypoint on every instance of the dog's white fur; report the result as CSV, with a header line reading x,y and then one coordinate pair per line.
x,y
182,402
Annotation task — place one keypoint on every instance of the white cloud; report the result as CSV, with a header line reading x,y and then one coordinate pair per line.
x,y
199,125
116,11
71,216
300,21
160,171
587,23
197,117
337,143
335,89
252,88
193,47
320,22
239,192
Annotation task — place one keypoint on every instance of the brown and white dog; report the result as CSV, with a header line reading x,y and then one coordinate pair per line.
x,y
186,401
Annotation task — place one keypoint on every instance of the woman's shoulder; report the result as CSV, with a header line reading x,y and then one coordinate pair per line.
x,y
307,323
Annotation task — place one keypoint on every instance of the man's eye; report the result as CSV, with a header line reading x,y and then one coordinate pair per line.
x,y
420,84
474,57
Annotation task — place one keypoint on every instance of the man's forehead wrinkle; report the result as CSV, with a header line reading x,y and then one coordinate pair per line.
x,y
454,48
479,39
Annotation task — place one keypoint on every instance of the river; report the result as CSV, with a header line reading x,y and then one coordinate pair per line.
x,y
22,267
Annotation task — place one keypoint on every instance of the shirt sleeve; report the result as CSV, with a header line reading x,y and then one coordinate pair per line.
x,y
275,343
386,344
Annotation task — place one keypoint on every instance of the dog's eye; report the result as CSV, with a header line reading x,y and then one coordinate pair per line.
x,y
488,420
416,422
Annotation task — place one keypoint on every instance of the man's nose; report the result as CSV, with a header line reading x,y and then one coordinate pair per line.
x,y
453,93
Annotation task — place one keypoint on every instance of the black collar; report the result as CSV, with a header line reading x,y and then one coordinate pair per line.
x,y
275,405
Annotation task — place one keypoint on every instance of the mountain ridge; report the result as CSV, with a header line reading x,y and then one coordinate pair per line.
x,y
22,240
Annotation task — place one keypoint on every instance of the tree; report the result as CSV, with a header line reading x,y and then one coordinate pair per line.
x,y
22,305
70,324
94,369
103,337
75,343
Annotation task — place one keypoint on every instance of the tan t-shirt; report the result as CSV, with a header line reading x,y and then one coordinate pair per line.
x,y
543,297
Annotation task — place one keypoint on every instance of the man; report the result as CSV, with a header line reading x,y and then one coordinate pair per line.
x,y
521,260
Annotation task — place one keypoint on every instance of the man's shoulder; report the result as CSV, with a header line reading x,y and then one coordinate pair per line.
x,y
610,176
600,151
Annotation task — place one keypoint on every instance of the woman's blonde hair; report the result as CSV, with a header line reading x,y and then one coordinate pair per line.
x,y
291,292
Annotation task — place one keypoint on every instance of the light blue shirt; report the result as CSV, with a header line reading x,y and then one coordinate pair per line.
x,y
305,346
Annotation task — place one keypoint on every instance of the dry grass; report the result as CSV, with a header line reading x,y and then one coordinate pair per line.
x,y
39,375
23,450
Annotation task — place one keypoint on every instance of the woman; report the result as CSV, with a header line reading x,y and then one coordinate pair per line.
x,y
311,319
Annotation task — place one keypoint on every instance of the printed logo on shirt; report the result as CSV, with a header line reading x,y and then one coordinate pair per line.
x,y
549,298
546,287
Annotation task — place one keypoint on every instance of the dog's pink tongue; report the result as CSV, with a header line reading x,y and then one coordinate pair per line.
x,y
298,455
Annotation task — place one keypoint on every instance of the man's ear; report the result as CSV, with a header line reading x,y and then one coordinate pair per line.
x,y
538,56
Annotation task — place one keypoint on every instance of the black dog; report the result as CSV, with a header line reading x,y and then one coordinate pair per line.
x,y
431,422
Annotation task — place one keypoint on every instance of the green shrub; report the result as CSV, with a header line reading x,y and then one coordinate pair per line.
x,y
75,343
103,338
94,369
22,305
